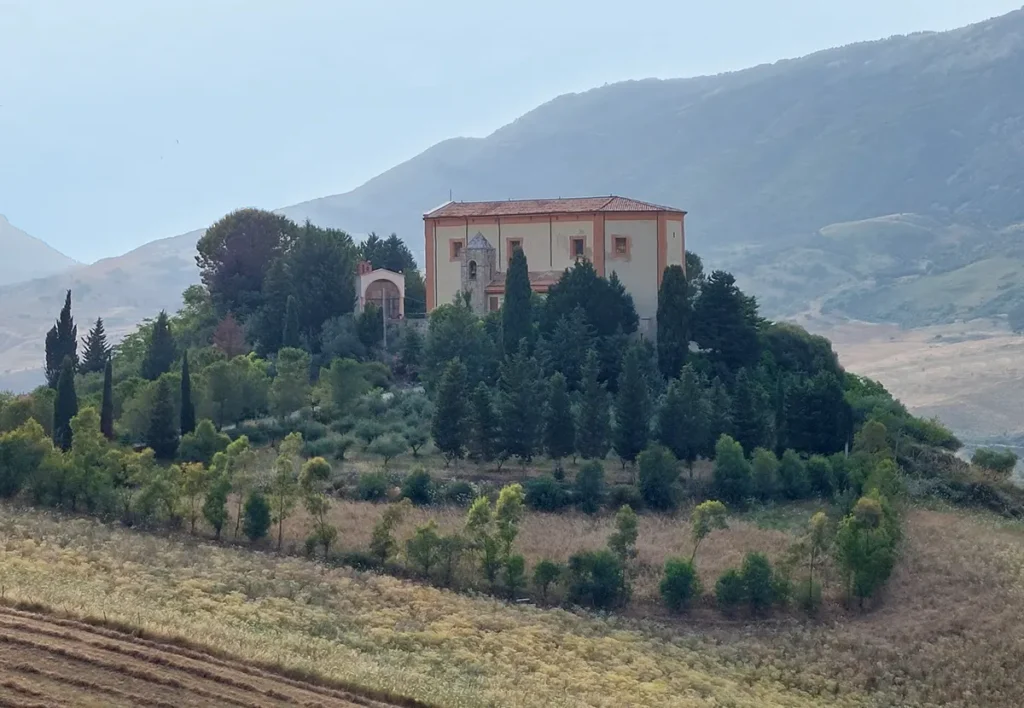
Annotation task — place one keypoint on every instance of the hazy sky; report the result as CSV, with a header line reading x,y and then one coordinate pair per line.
x,y
122,121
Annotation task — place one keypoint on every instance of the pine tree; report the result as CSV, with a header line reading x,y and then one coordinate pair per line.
x,y
485,441
61,343
518,404
449,423
720,422
751,413
162,352
559,426
565,348
107,408
592,428
516,310
290,334
632,408
97,351
162,435
684,418
65,407
188,409
675,313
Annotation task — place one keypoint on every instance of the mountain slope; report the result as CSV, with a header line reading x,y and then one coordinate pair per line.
x,y
930,123
26,257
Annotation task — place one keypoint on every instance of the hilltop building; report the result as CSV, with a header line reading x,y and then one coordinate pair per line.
x,y
381,287
469,246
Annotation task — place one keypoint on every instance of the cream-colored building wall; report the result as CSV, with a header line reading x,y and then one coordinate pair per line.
x,y
448,273
562,234
676,246
638,273
536,243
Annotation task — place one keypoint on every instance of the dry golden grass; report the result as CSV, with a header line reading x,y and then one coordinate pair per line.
x,y
948,632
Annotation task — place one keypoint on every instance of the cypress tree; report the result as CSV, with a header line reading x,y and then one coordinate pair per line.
x,y
65,407
162,435
107,409
162,352
97,351
750,413
518,404
61,343
684,418
675,313
516,315
632,407
290,335
592,428
188,409
720,422
559,426
485,442
448,425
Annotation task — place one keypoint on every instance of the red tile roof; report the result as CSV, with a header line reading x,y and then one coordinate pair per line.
x,y
577,205
540,281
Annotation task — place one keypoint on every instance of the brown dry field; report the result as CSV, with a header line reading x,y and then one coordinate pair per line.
x,y
49,661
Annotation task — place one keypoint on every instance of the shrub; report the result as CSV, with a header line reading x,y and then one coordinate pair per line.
x,y
819,476
545,494
758,582
514,574
323,447
596,580
732,471
382,540
310,429
625,495
418,487
422,549
343,444
372,487
730,591
202,444
679,584
589,487
256,522
388,446
659,478
459,492
808,595
1001,462
360,560
793,476
764,472
545,574
367,430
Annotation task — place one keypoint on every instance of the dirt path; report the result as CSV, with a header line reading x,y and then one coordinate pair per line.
x,y
47,661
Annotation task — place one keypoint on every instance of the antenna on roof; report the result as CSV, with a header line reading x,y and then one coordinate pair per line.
x,y
449,194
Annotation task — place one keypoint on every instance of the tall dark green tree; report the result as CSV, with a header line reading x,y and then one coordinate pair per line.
x,y
517,309
518,404
684,418
65,407
632,407
817,417
752,413
162,351
485,438
321,267
162,434
107,407
448,427
675,315
565,348
605,302
188,409
291,334
559,426
61,343
592,426
97,351
725,323
720,421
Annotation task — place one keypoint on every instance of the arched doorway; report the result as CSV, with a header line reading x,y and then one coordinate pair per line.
x,y
384,293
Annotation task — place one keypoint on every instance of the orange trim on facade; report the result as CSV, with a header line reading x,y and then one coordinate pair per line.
x,y
599,243
430,256
663,245
682,238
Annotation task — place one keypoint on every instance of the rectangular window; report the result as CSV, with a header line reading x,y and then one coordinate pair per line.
x,y
514,244
578,246
456,245
492,305
621,246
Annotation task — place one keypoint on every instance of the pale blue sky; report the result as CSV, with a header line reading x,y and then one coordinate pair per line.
x,y
122,121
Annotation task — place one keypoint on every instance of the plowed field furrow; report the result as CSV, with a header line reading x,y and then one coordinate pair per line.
x,y
48,661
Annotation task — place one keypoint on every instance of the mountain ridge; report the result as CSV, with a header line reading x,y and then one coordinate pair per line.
x,y
27,257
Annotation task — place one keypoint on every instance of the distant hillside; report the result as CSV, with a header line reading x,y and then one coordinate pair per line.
x,y
26,257
123,290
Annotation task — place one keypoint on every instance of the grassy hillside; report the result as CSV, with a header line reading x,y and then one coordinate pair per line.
x,y
935,641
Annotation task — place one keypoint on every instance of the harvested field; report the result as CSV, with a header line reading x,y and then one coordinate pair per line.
x,y
49,661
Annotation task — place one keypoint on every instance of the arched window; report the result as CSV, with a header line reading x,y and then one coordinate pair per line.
x,y
472,270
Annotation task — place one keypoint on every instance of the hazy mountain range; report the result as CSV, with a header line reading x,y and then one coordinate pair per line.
x,y
882,181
